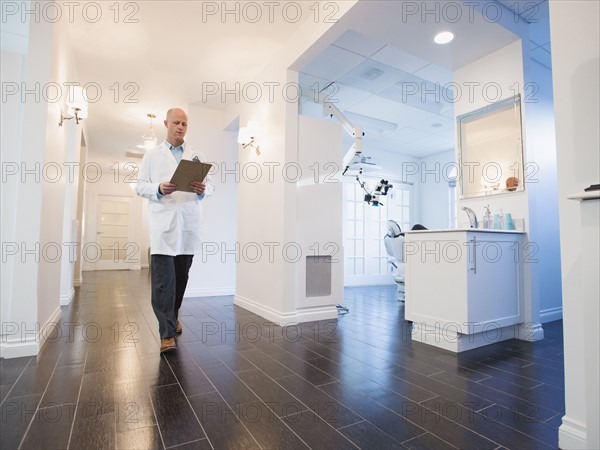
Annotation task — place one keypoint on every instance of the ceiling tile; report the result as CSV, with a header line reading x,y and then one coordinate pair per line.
x,y
358,43
436,141
311,85
435,74
346,96
446,126
394,57
332,63
384,109
420,93
406,134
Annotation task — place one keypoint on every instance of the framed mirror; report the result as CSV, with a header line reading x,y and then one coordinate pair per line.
x,y
490,143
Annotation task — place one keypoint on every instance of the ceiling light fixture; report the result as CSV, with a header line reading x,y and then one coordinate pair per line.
x,y
444,37
150,138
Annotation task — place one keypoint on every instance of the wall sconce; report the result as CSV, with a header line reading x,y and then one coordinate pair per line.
x,y
248,136
77,105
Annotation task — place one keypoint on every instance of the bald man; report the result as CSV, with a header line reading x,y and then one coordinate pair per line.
x,y
175,221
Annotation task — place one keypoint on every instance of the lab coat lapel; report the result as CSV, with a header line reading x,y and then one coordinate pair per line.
x,y
188,152
166,152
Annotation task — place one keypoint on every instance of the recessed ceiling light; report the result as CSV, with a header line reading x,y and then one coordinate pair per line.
x,y
444,37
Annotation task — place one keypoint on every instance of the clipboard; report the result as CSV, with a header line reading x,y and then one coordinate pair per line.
x,y
188,171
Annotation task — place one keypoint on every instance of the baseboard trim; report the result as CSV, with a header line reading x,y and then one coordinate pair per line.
x,y
24,342
448,339
66,299
50,324
572,434
17,348
265,312
310,314
316,313
209,292
551,314
530,331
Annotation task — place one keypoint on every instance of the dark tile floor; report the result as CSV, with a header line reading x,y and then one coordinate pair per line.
x,y
238,381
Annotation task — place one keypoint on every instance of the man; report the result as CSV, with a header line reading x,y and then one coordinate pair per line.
x,y
174,222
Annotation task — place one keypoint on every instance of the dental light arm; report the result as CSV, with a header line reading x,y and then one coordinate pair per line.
x,y
353,155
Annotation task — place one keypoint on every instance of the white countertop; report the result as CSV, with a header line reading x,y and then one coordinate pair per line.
x,y
477,230
582,196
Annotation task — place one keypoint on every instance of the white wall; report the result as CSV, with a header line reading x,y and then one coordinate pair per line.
x,y
11,118
575,62
33,216
434,202
213,271
542,191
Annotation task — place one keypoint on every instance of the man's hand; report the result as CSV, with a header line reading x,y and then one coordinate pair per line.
x,y
167,188
197,187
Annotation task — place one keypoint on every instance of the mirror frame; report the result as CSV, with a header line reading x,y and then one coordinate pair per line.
x,y
500,187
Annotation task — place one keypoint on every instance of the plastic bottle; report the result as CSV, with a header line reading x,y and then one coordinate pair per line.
x,y
508,222
487,218
501,220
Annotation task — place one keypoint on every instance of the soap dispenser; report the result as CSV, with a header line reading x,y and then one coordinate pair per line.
x,y
487,218
501,220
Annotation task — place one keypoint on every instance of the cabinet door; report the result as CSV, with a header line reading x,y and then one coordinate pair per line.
x,y
436,283
493,284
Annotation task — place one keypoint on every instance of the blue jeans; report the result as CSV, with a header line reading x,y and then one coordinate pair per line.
x,y
169,278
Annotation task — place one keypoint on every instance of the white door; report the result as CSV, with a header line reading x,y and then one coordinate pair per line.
x,y
116,251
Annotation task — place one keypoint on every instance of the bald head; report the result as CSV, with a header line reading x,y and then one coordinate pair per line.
x,y
174,111
176,123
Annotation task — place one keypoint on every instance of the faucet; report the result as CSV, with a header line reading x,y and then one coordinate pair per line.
x,y
472,217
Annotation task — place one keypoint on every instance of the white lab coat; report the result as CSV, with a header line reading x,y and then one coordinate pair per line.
x,y
175,220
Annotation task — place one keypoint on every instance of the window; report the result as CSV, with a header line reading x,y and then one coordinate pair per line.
x,y
366,260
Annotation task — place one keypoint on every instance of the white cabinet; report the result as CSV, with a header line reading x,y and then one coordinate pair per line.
x,y
464,288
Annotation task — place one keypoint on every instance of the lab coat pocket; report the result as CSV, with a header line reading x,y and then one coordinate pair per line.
x,y
191,215
162,216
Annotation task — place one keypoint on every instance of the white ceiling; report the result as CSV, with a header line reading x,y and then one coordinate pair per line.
x,y
172,51
175,48
372,76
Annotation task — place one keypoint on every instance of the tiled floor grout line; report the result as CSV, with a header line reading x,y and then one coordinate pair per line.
x,y
78,398
37,408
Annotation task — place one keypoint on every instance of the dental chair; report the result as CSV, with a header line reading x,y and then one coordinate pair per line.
x,y
394,246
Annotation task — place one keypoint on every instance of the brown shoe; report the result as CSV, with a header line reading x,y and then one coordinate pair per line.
x,y
168,344
178,330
